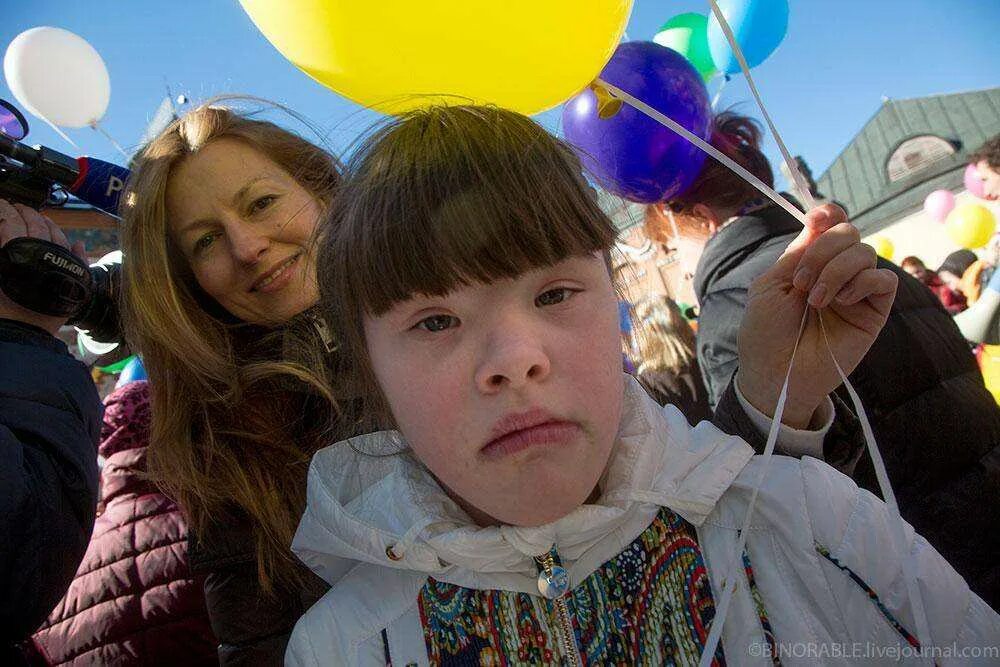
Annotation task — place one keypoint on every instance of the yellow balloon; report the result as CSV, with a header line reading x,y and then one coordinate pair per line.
x,y
883,247
396,55
990,364
970,225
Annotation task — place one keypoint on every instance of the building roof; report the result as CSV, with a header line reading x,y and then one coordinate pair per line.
x,y
75,214
878,183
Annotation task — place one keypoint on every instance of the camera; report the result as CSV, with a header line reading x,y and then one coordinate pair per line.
x,y
40,275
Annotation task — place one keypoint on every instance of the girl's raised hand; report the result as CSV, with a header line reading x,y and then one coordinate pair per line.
x,y
828,268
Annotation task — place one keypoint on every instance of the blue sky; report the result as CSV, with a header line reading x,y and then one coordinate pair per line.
x,y
824,82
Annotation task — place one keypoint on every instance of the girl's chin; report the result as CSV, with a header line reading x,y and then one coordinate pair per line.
x,y
541,511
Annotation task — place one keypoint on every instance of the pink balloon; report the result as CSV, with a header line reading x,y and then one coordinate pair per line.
x,y
939,204
973,182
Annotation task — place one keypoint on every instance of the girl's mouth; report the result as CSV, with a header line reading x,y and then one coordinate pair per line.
x,y
552,432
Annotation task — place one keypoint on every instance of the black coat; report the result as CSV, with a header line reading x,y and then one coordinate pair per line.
x,y
50,422
252,628
685,390
936,425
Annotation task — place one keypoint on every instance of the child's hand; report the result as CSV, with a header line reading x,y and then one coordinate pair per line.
x,y
828,265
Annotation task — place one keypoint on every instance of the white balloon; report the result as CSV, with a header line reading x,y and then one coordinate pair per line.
x,y
113,257
58,76
91,346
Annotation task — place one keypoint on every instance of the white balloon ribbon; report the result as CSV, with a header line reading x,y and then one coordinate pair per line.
x,y
718,92
107,135
58,130
793,169
897,526
730,575
896,523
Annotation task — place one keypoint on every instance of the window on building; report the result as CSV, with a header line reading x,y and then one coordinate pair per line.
x,y
916,154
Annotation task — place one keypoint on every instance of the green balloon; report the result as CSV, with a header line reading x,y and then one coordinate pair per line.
x,y
116,367
687,34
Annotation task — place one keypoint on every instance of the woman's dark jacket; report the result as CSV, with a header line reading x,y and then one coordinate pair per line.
x,y
937,426
253,626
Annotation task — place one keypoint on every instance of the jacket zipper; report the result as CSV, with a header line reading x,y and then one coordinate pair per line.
x,y
323,331
554,584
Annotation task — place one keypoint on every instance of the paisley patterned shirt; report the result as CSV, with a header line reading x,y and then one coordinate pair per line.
x,y
649,605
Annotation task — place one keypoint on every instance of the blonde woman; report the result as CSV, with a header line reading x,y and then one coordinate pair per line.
x,y
667,364
219,283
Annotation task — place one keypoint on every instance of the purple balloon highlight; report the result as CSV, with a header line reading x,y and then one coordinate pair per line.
x,y
938,204
627,152
973,182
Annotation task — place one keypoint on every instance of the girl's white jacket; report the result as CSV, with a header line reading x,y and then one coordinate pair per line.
x,y
360,504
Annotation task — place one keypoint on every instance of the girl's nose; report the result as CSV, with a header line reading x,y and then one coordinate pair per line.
x,y
514,358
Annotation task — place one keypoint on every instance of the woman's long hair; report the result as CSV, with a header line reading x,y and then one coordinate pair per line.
x,y
238,410
665,341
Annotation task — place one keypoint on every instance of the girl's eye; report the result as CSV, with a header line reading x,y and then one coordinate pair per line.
x,y
554,296
436,323
262,203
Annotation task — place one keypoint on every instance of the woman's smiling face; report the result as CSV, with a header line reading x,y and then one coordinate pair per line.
x,y
245,227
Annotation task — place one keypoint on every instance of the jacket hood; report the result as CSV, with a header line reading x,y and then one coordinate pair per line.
x,y
737,240
364,498
124,442
126,419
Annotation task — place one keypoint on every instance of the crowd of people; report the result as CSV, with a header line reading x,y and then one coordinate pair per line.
x,y
386,420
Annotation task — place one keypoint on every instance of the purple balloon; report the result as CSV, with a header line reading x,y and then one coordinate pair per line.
x,y
629,153
973,181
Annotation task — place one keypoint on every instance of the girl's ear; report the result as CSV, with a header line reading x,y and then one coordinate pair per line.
x,y
709,220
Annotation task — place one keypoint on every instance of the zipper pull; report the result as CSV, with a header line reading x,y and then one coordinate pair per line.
x,y
553,580
323,331
553,584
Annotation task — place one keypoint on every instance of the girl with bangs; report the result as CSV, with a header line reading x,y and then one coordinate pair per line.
x,y
532,504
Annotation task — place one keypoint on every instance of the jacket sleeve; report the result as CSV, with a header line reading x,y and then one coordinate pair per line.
x,y
718,327
50,418
252,628
843,445
853,526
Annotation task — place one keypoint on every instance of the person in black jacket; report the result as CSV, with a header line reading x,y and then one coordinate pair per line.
x,y
937,426
50,422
